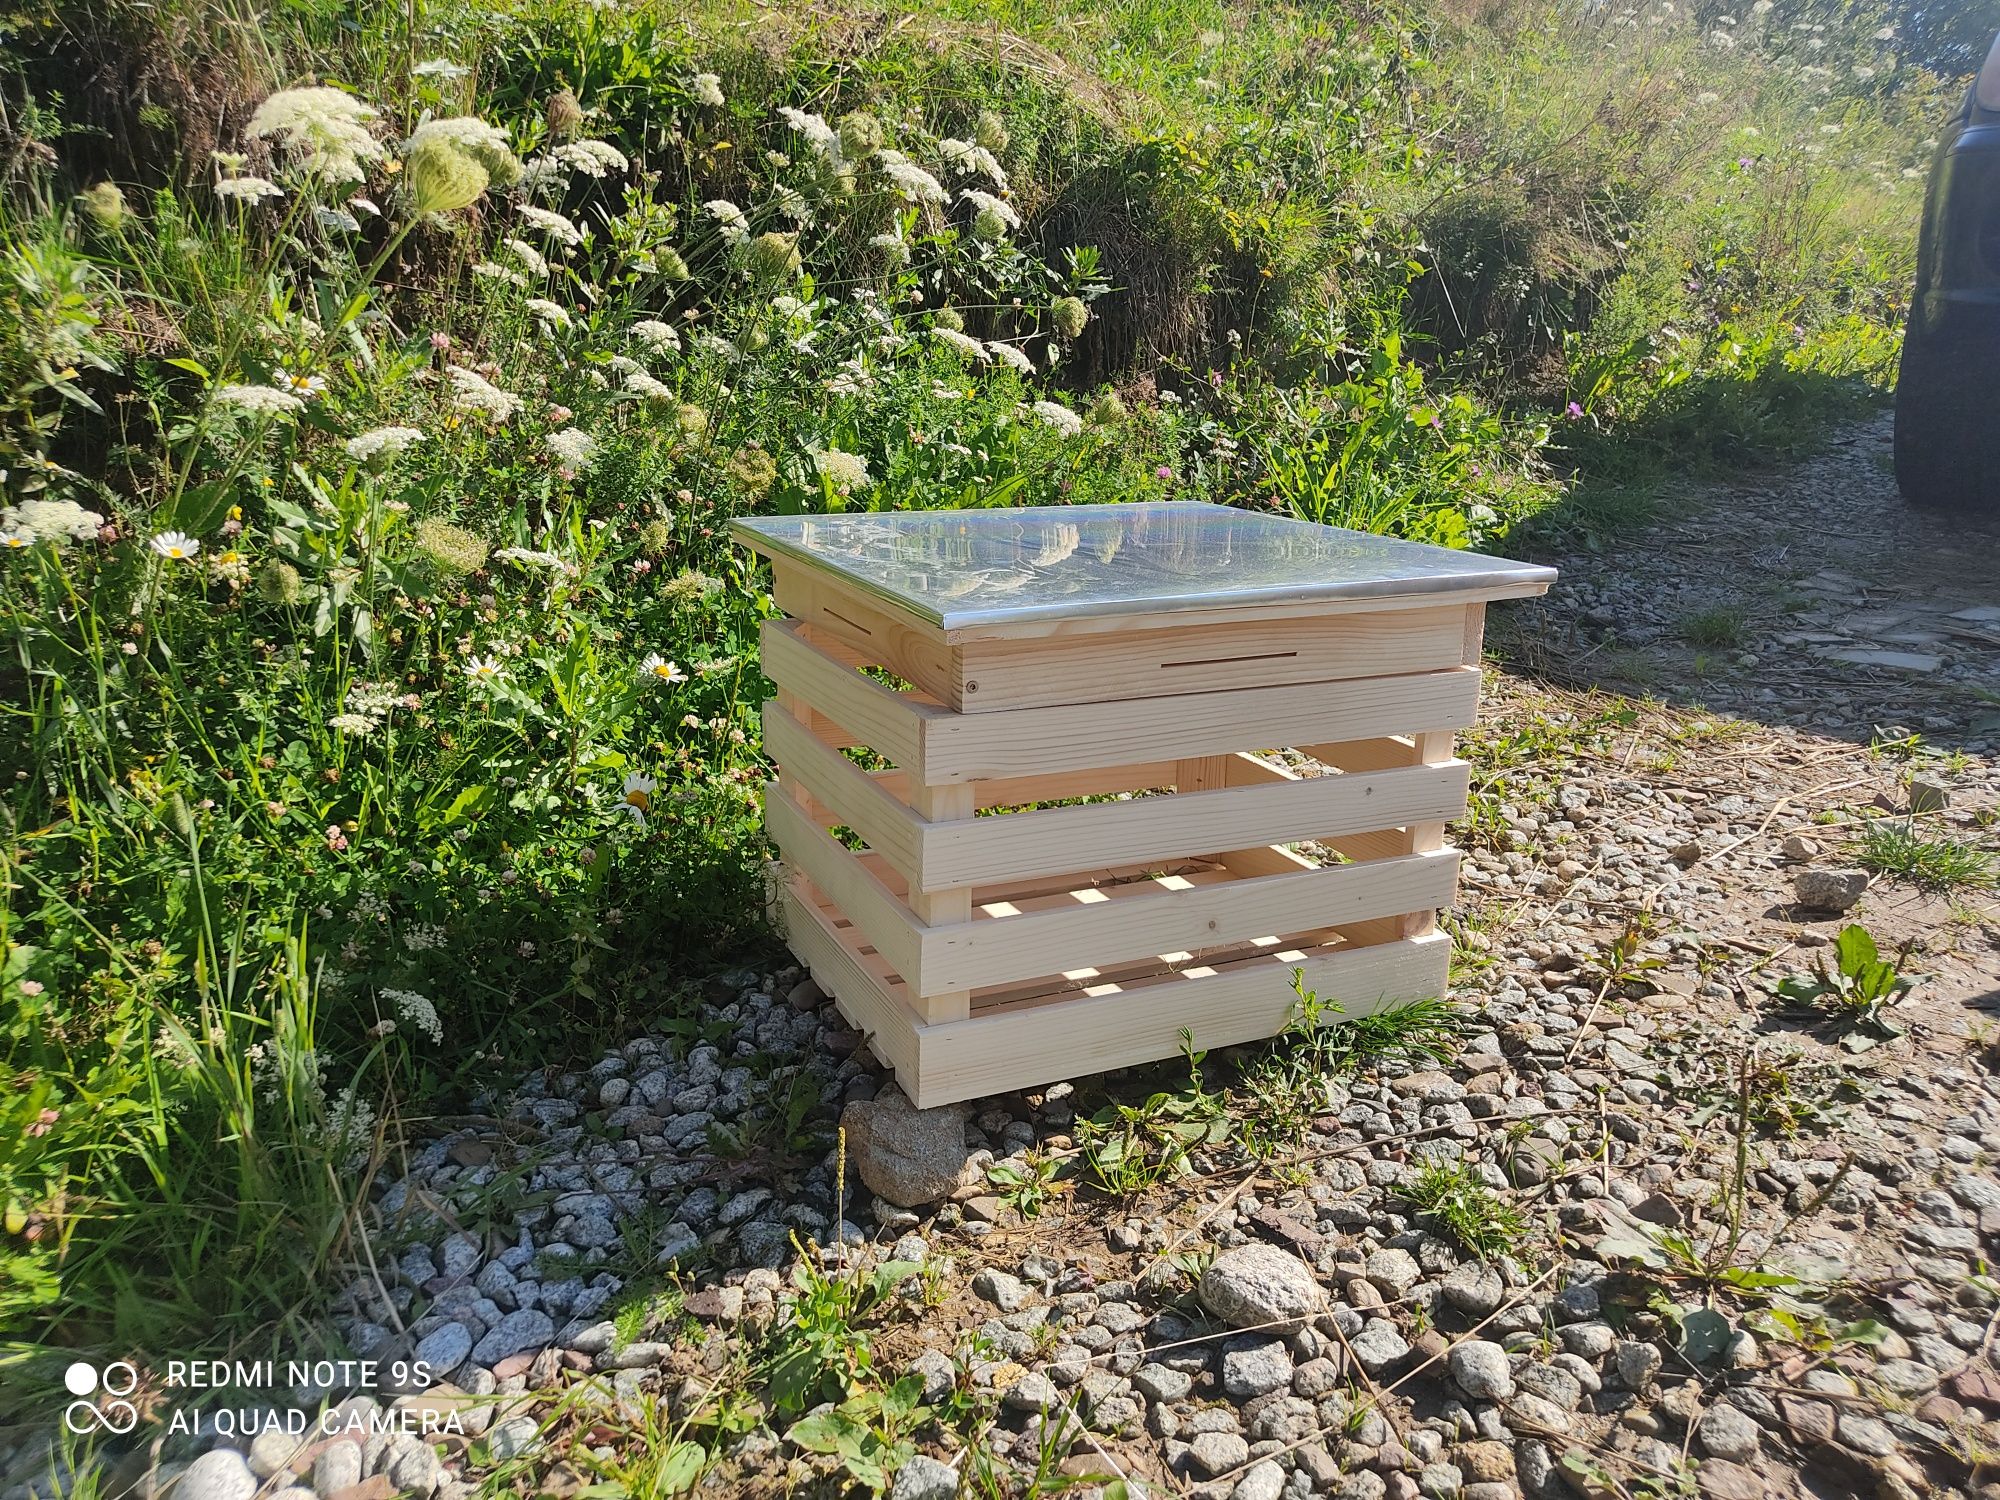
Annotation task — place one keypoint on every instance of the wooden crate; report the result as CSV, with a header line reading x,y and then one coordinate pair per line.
x,y
984,940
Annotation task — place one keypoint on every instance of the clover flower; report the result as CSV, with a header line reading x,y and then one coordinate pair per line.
x,y
175,546
324,129
472,391
573,446
657,669
557,227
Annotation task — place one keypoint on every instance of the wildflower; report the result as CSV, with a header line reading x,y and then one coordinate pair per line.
x,y
1107,410
1574,411
772,256
278,582
692,421
335,220
564,113
690,587
299,383
844,471
638,797
549,313
416,1010
104,204
575,447
262,400
990,131
729,219
1058,416
451,550
336,841
591,158
355,724
822,137
441,68
970,159
249,189
527,255
961,343
893,248
751,470
14,541
487,145
670,265
484,669
471,391
792,204
488,270
175,546
853,379
656,336
656,668
49,521
707,89
860,133
382,444
912,181
325,129
553,225
1164,471
1007,354
1068,314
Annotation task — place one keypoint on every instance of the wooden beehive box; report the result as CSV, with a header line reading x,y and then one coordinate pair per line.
x,y
1067,841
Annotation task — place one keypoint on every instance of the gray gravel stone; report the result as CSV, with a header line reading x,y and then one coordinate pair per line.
x,y
1255,1367
1258,1286
1218,1452
524,1332
905,1154
1726,1432
517,1437
924,1478
219,1474
1830,890
444,1349
1481,1370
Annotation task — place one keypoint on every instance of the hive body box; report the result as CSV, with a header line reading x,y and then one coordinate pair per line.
x,y
1002,662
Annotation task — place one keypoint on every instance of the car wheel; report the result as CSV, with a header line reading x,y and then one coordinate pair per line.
x,y
1945,452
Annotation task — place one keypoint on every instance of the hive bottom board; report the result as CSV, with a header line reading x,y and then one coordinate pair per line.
x,y
1026,1042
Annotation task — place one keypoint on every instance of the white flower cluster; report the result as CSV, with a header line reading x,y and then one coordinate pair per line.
x,y
639,380
549,314
259,400
573,446
382,444
1058,416
591,158
822,137
527,255
472,391
416,1010
729,219
55,521
556,227
844,471
912,181
659,337
325,130
970,159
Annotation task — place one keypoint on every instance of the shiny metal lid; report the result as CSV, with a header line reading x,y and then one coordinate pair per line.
x,y
965,568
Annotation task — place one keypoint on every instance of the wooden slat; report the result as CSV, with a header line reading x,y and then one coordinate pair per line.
x,y
1211,658
809,849
1158,920
1019,845
1016,791
845,790
1025,741
890,723
864,997
875,630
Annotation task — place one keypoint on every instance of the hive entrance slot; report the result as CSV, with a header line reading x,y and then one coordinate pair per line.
x,y
834,614
1230,661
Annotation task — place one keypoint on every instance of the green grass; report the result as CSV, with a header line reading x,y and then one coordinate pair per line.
x,y
1466,1210
1893,847
1716,628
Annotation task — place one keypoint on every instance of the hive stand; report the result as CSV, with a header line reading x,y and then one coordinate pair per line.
x,y
991,921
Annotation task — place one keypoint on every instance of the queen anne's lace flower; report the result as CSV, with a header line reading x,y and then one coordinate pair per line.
x,y
822,137
1058,416
729,220
657,336
986,203
486,144
472,391
844,471
382,443
591,158
911,180
352,724
325,130
575,447
248,189
442,68
263,400
963,344
556,226
527,255
550,313
707,89
50,521
416,1010
1007,354
970,159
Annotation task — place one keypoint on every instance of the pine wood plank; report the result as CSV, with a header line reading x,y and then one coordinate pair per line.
x,y
872,628
1055,840
843,789
890,723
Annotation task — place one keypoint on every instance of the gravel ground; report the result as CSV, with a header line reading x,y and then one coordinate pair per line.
x,y
1751,1239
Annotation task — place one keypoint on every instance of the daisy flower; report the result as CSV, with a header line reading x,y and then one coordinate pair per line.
x,y
299,383
656,668
175,546
483,669
13,541
638,797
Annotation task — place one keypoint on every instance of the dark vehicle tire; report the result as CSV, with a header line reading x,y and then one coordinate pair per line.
x,y
1947,453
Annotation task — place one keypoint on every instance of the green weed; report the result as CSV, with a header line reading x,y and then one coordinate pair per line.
x,y
1462,1207
1892,846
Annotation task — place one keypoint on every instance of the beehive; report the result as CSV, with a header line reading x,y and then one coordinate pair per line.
x,y
1065,839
